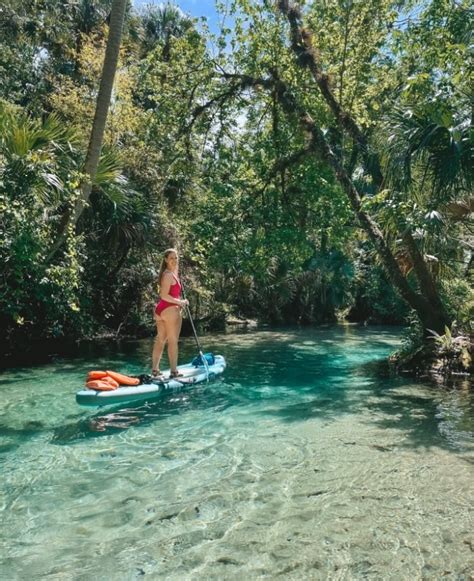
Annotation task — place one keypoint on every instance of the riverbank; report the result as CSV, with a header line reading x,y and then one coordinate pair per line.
x,y
438,357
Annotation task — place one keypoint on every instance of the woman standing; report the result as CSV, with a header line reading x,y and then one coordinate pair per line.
x,y
168,313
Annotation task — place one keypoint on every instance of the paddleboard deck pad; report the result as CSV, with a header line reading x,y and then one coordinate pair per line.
x,y
153,388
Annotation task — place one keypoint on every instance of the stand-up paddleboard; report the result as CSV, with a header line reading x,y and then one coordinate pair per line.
x,y
192,373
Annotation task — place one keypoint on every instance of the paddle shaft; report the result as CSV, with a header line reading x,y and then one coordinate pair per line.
x,y
196,338
188,310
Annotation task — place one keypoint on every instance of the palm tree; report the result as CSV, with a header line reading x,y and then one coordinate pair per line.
x,y
432,144
37,157
161,23
120,216
428,157
90,14
117,18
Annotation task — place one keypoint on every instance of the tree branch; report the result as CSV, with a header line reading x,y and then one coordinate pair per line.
x,y
302,45
307,57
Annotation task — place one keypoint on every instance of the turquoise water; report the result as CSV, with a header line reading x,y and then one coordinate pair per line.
x,y
305,461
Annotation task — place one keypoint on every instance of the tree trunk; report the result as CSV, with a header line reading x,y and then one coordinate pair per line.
x,y
431,317
91,163
428,305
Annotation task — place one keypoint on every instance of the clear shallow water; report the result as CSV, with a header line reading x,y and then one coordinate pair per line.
x,y
305,461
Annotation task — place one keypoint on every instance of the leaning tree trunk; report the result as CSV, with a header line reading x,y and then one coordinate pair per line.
x,y
91,163
318,145
428,305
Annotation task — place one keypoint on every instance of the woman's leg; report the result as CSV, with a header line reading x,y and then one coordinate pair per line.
x,y
172,319
159,344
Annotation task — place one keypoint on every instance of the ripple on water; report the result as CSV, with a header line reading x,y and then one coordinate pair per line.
x,y
306,462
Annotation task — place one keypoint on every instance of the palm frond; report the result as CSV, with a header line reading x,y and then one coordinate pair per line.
x,y
429,146
109,168
23,134
162,22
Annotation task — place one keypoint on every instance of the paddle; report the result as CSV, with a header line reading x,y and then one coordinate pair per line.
x,y
201,354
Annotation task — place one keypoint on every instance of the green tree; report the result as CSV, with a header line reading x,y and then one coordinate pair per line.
x,y
98,127
38,177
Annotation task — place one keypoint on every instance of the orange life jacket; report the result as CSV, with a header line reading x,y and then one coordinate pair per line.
x,y
108,380
105,384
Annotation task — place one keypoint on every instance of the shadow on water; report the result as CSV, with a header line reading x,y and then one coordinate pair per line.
x,y
17,436
45,352
119,418
424,415
297,376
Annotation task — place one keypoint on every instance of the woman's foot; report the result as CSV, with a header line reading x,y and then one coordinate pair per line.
x,y
175,373
156,373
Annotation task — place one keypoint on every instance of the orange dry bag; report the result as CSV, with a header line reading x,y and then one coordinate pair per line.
x,y
100,385
123,379
96,374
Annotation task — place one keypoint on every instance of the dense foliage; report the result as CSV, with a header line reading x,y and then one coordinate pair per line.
x,y
202,153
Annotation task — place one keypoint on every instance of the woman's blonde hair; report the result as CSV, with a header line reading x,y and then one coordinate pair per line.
x,y
164,266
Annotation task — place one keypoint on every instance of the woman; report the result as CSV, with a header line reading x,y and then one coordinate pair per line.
x,y
168,314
